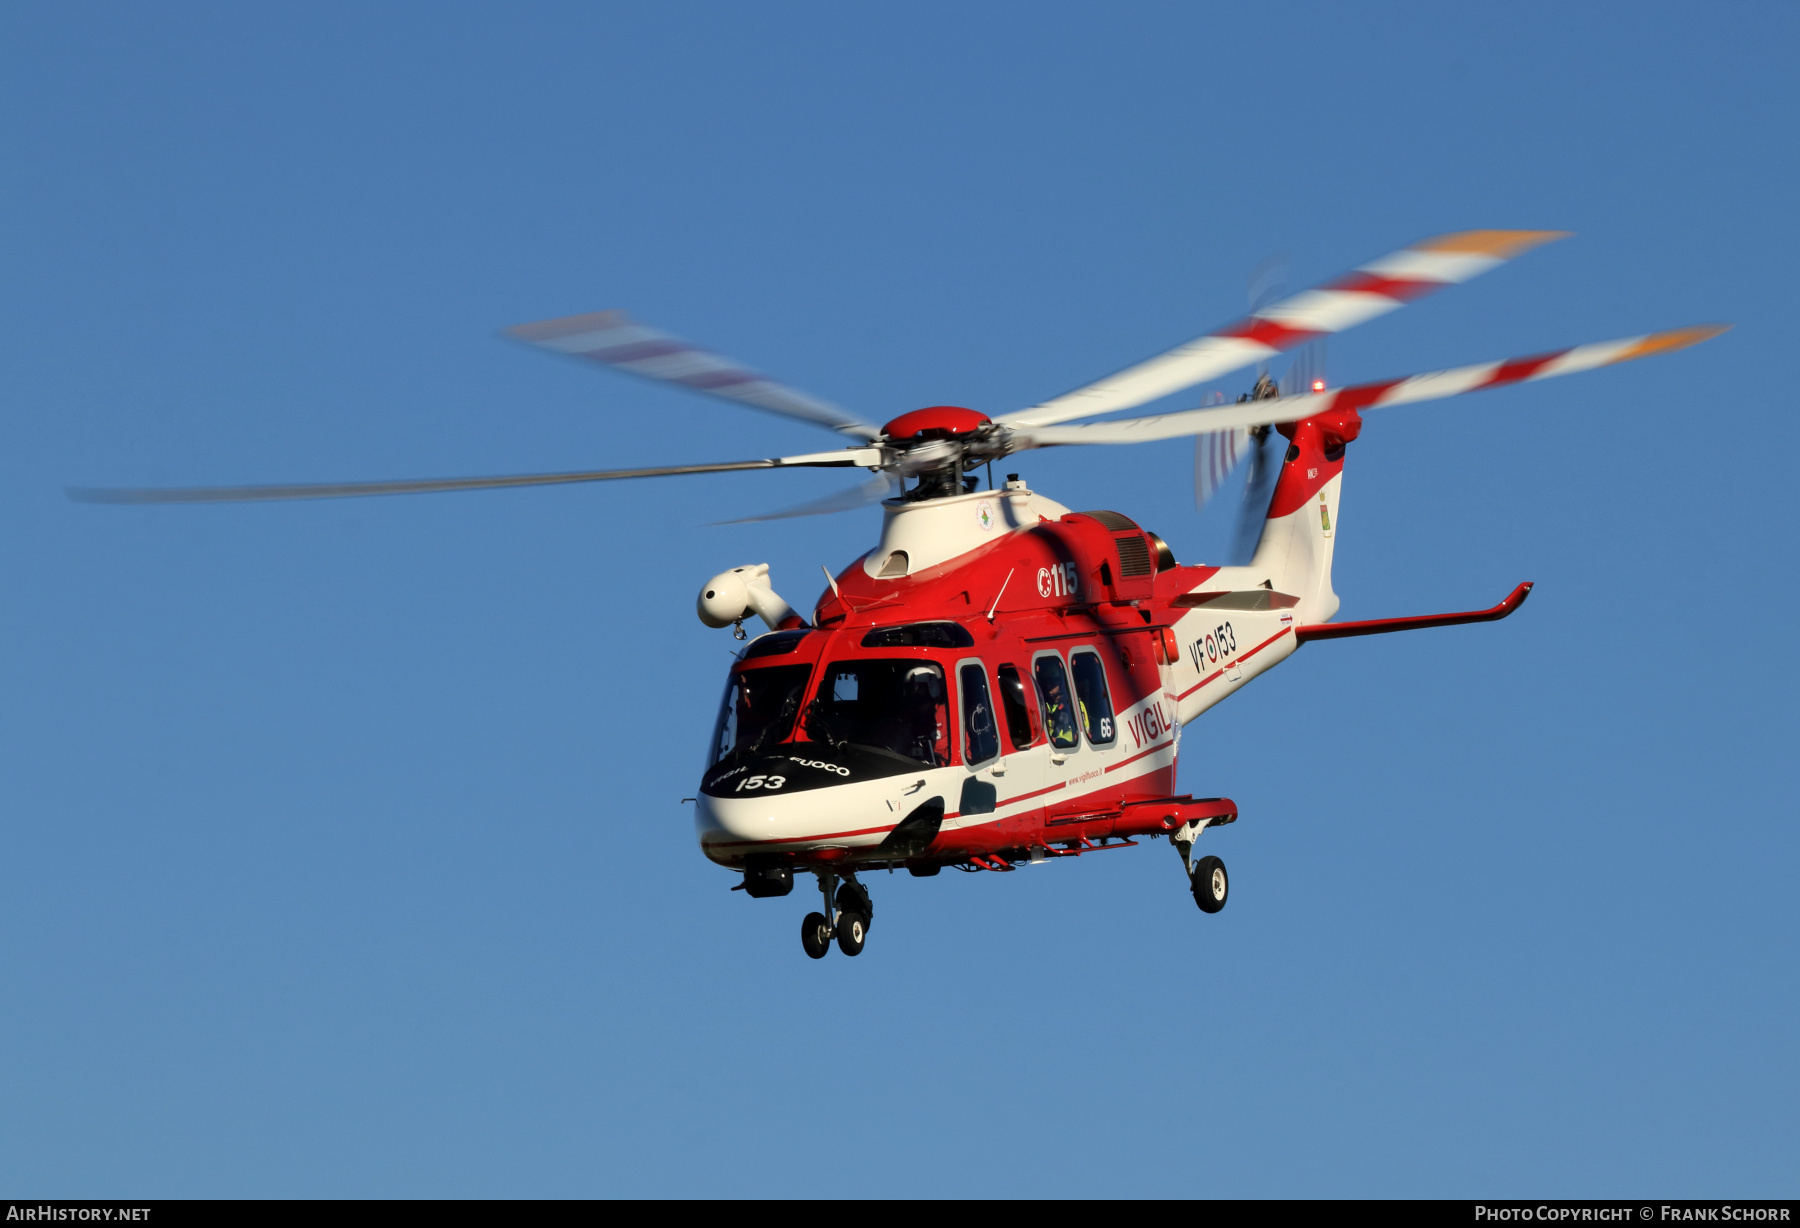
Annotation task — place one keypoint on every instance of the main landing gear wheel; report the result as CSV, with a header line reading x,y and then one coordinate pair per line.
x,y
852,929
815,936
1211,885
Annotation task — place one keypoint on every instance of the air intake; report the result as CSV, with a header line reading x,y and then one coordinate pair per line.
x,y
1134,555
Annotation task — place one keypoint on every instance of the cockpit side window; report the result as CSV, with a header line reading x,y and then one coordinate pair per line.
x,y
981,735
1059,702
897,706
920,635
1090,689
1015,701
759,709
774,644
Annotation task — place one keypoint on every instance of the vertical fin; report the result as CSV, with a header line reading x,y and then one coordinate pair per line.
x,y
1299,533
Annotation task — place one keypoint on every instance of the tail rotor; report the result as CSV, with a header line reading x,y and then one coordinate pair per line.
x,y
1218,454
1258,488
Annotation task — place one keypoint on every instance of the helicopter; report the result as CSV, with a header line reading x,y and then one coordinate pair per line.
x,y
1001,681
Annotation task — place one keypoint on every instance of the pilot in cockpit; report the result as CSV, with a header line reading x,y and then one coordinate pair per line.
x,y
922,701
1059,713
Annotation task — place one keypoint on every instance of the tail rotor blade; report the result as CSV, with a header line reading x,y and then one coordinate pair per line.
x,y
1268,284
1216,455
1254,509
1306,374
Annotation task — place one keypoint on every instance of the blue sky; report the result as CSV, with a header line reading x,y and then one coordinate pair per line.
x,y
340,845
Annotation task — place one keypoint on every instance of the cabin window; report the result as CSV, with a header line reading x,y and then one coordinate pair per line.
x,y
899,707
1090,691
1059,703
759,709
1016,704
981,736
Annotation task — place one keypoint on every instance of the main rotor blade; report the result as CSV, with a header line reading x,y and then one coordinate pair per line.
x,y
1430,386
1372,290
342,490
614,339
881,486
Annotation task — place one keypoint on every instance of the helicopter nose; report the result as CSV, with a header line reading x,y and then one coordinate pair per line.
x,y
732,826
734,819
850,814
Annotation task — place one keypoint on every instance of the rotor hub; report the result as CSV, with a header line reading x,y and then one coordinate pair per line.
x,y
935,422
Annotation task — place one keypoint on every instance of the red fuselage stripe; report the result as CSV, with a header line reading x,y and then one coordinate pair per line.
x,y
1241,657
1149,750
830,835
1199,684
1034,793
838,835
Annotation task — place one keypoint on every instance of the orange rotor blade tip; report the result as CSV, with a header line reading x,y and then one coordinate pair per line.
x,y
1673,339
1500,244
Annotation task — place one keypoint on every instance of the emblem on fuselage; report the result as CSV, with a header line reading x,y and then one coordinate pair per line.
x,y
1058,580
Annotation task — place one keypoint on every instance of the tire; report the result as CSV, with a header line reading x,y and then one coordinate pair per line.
x,y
1211,884
852,931
815,935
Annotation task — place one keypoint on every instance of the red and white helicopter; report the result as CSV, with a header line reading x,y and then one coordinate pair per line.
x,y
1000,681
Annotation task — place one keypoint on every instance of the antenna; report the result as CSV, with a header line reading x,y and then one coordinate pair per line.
x,y
1000,594
834,588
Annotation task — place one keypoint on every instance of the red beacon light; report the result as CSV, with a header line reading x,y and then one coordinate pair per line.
x,y
1318,385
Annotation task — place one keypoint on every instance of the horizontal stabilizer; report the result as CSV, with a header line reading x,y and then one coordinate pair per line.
x,y
1380,626
1249,599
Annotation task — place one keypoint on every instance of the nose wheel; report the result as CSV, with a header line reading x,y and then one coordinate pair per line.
x,y
848,911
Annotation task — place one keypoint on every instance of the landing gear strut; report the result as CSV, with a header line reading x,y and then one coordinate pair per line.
x,y
846,916
1206,877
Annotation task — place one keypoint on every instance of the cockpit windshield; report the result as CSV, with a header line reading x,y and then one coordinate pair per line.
x,y
897,706
759,709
